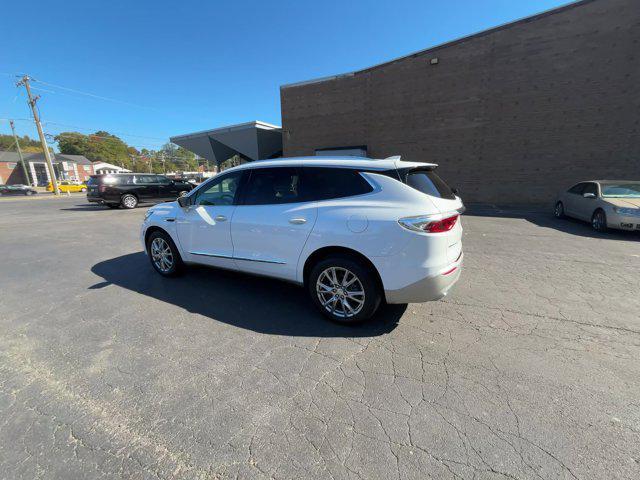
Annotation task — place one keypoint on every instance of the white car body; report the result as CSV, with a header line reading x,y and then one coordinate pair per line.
x,y
278,240
604,203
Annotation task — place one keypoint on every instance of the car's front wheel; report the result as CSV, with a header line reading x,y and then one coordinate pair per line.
x,y
129,201
344,289
558,211
599,221
164,254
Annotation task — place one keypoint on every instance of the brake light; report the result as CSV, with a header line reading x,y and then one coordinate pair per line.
x,y
443,225
427,224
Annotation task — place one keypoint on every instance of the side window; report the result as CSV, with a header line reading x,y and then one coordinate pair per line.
x,y
221,191
162,180
591,188
269,186
577,189
145,179
324,183
125,180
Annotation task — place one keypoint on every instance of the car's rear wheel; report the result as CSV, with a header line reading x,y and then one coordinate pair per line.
x,y
164,254
344,289
558,211
183,193
599,221
129,201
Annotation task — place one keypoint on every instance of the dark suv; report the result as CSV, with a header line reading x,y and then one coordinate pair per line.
x,y
129,189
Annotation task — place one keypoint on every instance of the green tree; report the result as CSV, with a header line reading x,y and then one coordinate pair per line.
x,y
26,144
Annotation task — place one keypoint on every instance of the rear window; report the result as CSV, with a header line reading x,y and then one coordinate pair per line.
x,y
428,182
322,183
92,181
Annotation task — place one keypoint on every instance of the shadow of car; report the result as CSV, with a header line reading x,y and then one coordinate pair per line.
x,y
263,305
542,217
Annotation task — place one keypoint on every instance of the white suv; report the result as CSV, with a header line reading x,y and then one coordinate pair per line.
x,y
354,231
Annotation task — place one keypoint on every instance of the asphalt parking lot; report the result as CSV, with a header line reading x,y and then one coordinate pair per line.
x,y
529,369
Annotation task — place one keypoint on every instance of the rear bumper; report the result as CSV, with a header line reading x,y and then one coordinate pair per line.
x,y
429,288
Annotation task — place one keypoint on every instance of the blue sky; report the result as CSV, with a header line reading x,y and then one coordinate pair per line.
x,y
176,67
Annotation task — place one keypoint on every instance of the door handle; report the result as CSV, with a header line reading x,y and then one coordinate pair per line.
x,y
220,218
297,221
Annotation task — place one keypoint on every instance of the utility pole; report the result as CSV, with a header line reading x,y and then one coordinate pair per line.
x,y
43,141
24,167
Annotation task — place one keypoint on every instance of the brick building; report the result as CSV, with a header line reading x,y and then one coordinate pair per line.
x,y
512,114
67,167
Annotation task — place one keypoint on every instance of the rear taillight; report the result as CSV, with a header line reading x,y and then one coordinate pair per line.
x,y
429,224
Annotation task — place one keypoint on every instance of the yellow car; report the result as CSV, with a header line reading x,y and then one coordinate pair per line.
x,y
68,187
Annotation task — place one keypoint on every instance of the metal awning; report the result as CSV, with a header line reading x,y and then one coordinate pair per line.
x,y
251,141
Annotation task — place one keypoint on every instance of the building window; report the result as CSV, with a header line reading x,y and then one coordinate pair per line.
x,y
87,168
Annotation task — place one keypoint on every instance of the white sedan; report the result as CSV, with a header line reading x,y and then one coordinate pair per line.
x,y
604,203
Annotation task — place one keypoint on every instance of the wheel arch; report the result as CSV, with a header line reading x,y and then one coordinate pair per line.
x,y
152,229
325,252
130,193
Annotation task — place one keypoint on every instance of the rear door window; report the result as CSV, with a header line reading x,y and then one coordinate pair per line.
x,y
428,182
145,179
325,183
273,186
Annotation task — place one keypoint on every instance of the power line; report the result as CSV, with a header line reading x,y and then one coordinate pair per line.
x,y
97,129
92,95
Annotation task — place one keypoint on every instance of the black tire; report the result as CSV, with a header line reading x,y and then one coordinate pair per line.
x,y
599,221
113,205
183,193
128,201
177,265
558,210
335,310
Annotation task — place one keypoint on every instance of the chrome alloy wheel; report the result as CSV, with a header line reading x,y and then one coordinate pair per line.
x,y
340,292
161,255
559,210
129,201
598,221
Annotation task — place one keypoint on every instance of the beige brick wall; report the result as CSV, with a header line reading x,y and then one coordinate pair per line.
x,y
511,116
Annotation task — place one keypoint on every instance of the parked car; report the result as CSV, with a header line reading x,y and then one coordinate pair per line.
x,y
604,203
65,186
17,190
129,189
355,232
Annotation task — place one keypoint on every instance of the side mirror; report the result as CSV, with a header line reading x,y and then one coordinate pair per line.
x,y
455,191
589,195
183,201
